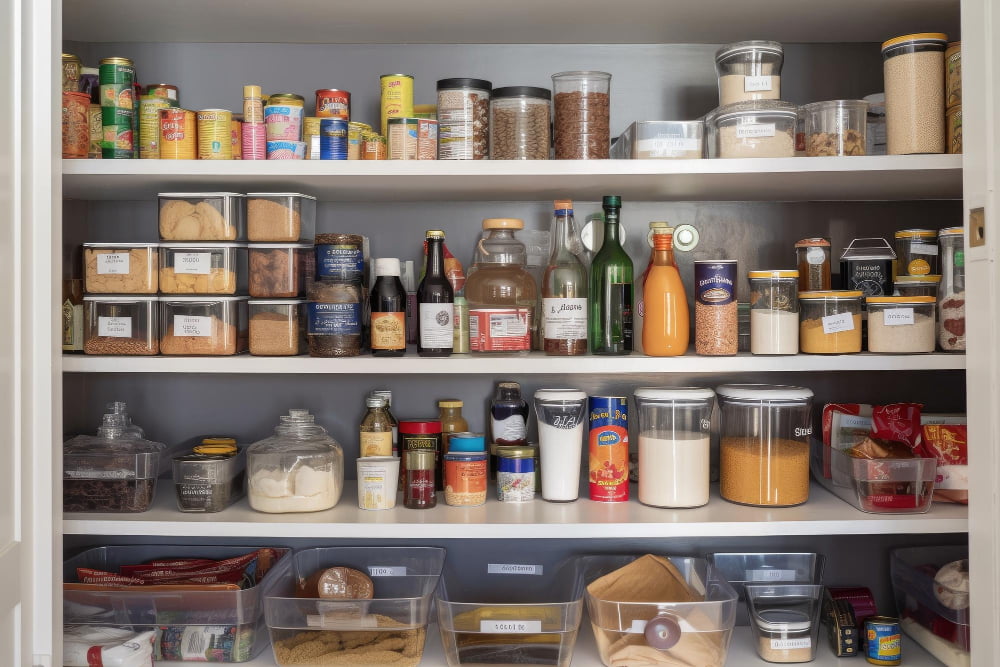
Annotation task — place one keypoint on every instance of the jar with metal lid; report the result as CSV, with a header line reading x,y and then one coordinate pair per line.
x,y
951,294
916,252
749,70
463,115
830,322
757,128
774,312
917,285
813,257
516,474
582,124
520,123
913,68
286,99
901,324
418,485
764,451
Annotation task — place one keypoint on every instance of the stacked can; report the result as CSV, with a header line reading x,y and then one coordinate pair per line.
x,y
355,139
396,98
333,103
150,106
117,81
283,120
178,134
75,128
332,139
215,134
373,146
94,123
254,134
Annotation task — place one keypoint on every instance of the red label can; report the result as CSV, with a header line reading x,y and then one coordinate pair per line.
x,y
75,125
608,448
178,134
333,103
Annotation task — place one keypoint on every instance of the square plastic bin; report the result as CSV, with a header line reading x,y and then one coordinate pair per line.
x,y
193,625
935,616
109,480
278,270
208,483
202,216
664,632
121,325
740,569
280,217
206,326
510,611
310,630
203,268
661,140
278,327
785,620
121,268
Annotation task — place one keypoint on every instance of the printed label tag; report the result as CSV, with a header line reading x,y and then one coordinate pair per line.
x,y
755,131
511,627
113,263
770,575
836,323
923,249
114,327
786,644
387,570
513,568
638,627
668,145
191,325
894,317
754,84
199,263
565,319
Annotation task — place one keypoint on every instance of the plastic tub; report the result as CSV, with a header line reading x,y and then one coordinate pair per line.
x,y
837,127
229,624
830,322
749,70
277,327
202,216
121,268
661,140
121,325
901,324
396,617
203,268
785,620
278,270
196,325
280,217
771,568
759,128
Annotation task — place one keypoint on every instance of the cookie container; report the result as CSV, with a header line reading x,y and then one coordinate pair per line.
x,y
202,216
203,268
121,325
278,270
194,325
280,217
661,140
120,268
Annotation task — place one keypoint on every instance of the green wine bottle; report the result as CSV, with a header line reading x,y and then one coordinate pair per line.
x,y
611,289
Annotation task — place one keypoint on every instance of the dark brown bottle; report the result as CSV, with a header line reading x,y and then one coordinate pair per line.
x,y
435,303
388,310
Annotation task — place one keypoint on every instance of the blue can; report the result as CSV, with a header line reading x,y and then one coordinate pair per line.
x,y
516,476
883,640
333,139
608,417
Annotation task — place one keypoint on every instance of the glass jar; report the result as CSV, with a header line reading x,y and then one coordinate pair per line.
x,y
764,451
463,116
298,469
749,71
813,257
836,127
758,128
916,253
418,485
277,327
582,126
951,294
913,68
774,312
674,445
901,324
917,285
520,123
830,322
417,434
452,421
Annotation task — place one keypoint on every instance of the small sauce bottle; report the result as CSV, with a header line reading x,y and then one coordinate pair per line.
x,y
388,310
376,429
418,491
508,421
452,420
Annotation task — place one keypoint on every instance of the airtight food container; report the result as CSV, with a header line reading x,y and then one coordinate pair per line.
x,y
278,270
278,327
757,128
203,268
917,285
121,268
740,569
830,322
901,324
785,620
661,140
196,325
202,216
749,71
121,325
280,217
836,127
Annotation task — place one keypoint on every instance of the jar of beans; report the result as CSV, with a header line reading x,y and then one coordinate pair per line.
x,y
913,67
463,114
519,123
582,115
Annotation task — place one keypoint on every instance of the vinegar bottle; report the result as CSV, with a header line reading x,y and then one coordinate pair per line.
x,y
666,325
435,300
564,288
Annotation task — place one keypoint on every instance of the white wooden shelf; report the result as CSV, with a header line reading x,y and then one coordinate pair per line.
x,y
880,178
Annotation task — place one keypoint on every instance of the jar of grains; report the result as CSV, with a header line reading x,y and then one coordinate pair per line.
x,y
830,322
901,324
582,126
764,450
520,123
774,312
749,71
758,128
913,67
463,114
951,294
917,285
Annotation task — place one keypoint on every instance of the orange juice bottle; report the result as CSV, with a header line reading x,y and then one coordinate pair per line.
x,y
665,327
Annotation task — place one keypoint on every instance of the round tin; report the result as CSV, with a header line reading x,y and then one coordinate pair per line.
x,y
516,474
149,125
164,91
883,640
284,122
396,97
177,134
332,139
254,141
286,99
286,150
214,134
333,103
465,478
75,125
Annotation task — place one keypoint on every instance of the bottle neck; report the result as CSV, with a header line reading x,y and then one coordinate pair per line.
x,y
435,258
663,250
611,229
562,234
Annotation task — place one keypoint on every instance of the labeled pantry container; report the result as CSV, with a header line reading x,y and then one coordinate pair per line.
x,y
121,268
661,140
917,285
774,312
280,217
463,119
198,325
916,253
749,70
757,128
951,294
740,569
830,322
202,216
209,482
520,123
836,127
785,620
278,270
121,325
277,327
901,324
582,124
913,68
866,265
203,268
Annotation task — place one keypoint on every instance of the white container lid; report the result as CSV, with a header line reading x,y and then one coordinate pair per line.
x,y
675,393
764,392
121,245
560,395
199,195
387,266
280,194
276,246
783,620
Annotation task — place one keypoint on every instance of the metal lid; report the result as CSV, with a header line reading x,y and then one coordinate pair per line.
x,y
522,91
116,60
120,298
466,442
899,300
764,392
952,231
560,395
515,452
749,46
813,243
931,278
675,393
121,245
503,223
376,402
289,96
435,234
715,261
450,403
782,620
462,82
407,76
832,294
70,57
279,194
774,273
916,233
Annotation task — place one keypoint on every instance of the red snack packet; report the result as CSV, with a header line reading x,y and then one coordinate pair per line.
x,y
949,444
87,575
899,422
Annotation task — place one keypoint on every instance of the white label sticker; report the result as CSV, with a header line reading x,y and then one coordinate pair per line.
x,y
770,575
754,84
114,327
837,323
387,570
638,627
855,422
564,319
193,262
894,317
113,263
667,146
190,325
815,256
511,627
507,325
437,322
754,130
787,644
512,568
923,249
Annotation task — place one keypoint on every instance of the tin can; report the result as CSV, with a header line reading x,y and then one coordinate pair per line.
x,y
75,125
608,448
149,125
375,148
332,139
715,325
953,126
422,434
842,627
71,66
285,99
117,141
136,95
214,134
866,265
310,135
253,105
952,75
284,123
333,103
397,97
515,474
427,139
178,136
355,139
254,141
117,81
883,640
402,138
286,150
236,137
164,91
465,478
96,131
90,82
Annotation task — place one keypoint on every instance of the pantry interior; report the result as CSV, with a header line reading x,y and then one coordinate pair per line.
x,y
750,210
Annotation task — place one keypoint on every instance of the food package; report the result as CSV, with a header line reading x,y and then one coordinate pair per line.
x,y
949,444
899,422
101,646
452,269
951,585
844,425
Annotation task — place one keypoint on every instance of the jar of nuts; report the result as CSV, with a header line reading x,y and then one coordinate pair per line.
x,y
520,123
463,113
582,125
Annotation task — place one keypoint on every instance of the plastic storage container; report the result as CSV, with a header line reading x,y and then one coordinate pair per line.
x,y
913,67
582,124
830,322
202,216
740,569
125,325
749,71
916,253
759,128
661,140
520,123
784,619
917,286
875,139
837,127
278,270
208,482
280,217
463,116
524,610
203,268
278,327
951,293
227,626
901,324
197,325
121,268
774,312
390,628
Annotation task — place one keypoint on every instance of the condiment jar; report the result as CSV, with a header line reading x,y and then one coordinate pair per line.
x,y
916,253
814,261
418,487
516,474
764,451
901,324
421,434
774,312
917,285
951,294
451,420
913,68
830,322
520,123
749,70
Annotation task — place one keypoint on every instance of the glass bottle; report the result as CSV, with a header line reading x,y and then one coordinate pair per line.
x,y
72,315
388,310
639,311
376,429
452,421
435,299
509,415
418,489
666,329
564,288
611,289
387,395
501,293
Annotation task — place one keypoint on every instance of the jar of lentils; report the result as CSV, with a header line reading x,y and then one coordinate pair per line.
x,y
463,113
520,123
582,125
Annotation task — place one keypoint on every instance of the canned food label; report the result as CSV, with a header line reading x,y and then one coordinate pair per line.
x,y
564,319
113,263
341,262
715,284
511,627
837,323
465,477
754,130
608,446
437,325
770,575
199,263
895,317
514,568
499,329
192,325
386,570
114,327
789,644
515,487
754,84
335,319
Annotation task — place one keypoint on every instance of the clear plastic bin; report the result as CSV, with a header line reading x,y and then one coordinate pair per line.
x,y
661,140
278,327
203,268
280,217
196,325
749,70
207,482
115,481
121,325
901,324
785,620
278,270
837,127
202,216
393,621
121,268
759,128
511,611
770,568
230,623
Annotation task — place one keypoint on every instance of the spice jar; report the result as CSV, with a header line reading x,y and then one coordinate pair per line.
x,y
463,116
917,285
814,262
830,322
836,127
758,128
516,474
913,67
277,327
951,295
749,70
418,486
764,451
377,477
582,125
916,253
422,434
901,324
520,123
465,471
774,312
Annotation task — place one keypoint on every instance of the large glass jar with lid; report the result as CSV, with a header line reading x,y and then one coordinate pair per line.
x,y
298,469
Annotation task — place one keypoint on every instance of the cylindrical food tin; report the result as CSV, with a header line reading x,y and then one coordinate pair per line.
x,y
310,135
254,141
608,417
355,132
215,134
164,91
117,81
96,130
333,103
71,66
118,141
953,127
253,105
286,150
715,327
149,125
284,123
178,136
515,474
332,139
75,126
286,99
236,138
397,97
427,139
374,147
465,478
953,75
117,78
402,138
883,640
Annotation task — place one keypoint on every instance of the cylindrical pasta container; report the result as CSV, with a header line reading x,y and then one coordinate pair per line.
x,y
463,115
913,68
215,134
75,126
396,97
178,134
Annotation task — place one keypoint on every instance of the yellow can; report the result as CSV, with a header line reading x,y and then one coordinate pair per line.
x,y
71,66
96,131
355,139
397,97
954,127
149,125
178,136
310,134
286,100
215,134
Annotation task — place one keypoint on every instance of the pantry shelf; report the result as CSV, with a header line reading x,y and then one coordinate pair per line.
x,y
875,178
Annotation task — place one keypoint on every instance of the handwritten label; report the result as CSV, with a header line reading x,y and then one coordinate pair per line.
x,y
668,145
923,249
754,130
788,644
193,262
511,627
191,325
387,570
894,317
770,575
114,327
837,323
513,568
113,263
754,84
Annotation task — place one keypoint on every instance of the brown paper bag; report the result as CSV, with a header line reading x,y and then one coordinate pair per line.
x,y
648,578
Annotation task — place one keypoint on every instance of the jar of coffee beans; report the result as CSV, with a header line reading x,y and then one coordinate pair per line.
x,y
463,114
520,123
582,115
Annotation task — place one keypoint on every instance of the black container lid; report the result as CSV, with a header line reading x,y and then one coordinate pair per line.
x,y
522,91
478,84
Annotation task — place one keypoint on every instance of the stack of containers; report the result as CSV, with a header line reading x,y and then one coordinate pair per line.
x,y
953,97
283,116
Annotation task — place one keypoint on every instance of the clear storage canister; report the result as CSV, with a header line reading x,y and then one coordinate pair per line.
x,y
913,68
830,322
764,451
463,114
774,312
901,324
916,252
749,71
837,127
520,123
582,125
121,325
951,294
674,445
278,327
917,285
758,128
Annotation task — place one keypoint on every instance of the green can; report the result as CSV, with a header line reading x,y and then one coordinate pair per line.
x,y
118,142
117,80
116,116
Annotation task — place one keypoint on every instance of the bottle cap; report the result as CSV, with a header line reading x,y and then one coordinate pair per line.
x,y
450,403
376,402
251,91
612,200
386,266
435,234
562,205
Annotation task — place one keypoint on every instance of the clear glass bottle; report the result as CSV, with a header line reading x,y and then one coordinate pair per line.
x,y
376,429
435,302
564,288
387,395
501,292
666,327
452,420
611,289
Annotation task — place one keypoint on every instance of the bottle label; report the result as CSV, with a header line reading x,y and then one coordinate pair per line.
x,y
499,329
113,263
343,262
437,325
388,331
114,327
72,331
197,263
565,319
335,319
376,444
509,429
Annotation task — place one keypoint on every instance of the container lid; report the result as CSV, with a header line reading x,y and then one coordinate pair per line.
x,y
121,245
582,74
419,426
420,459
461,82
280,194
952,231
776,273
930,279
835,104
562,205
450,403
760,45
753,108
916,234
434,234
515,452
199,195
764,392
560,395
834,294
274,246
207,245
277,302
291,96
466,442
715,261
901,299
522,91
120,298
503,223
782,620
405,76
675,393
387,266
376,402
916,37
202,299
813,243
869,248
463,455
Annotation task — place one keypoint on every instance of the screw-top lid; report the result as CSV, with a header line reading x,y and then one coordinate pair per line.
x,y
466,442
386,266
522,91
655,225
663,239
674,393
435,234
916,234
773,273
918,37
375,402
813,243
832,294
384,393
503,223
560,395
462,82
952,231
612,200
450,403
562,205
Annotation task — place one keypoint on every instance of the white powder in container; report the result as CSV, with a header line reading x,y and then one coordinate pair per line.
x,y
896,339
673,469
302,489
773,331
